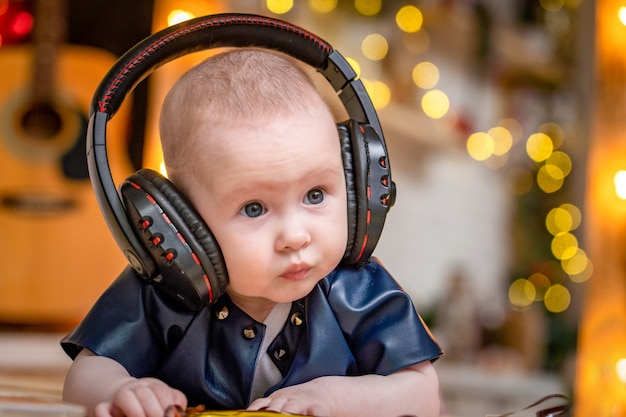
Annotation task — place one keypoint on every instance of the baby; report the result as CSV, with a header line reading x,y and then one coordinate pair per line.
x,y
249,141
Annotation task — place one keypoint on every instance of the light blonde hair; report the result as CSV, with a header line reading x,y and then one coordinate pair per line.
x,y
247,85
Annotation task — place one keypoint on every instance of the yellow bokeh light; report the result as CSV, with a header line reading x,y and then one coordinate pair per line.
x,y
480,146
279,6
435,104
574,213
619,180
323,6
554,172
576,266
564,246
368,7
375,47
522,293
621,15
620,369
539,147
558,221
548,179
177,16
557,299
502,139
562,161
379,93
409,19
425,75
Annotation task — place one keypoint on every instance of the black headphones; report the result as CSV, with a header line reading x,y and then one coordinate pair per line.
x,y
161,234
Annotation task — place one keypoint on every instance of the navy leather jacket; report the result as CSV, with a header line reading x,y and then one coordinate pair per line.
x,y
356,321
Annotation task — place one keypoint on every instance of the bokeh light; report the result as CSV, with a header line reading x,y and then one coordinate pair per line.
x,y
435,104
549,178
560,160
621,15
502,140
522,293
409,19
425,75
539,147
574,212
480,146
557,298
559,220
375,47
368,7
564,246
279,6
619,180
620,368
578,267
177,16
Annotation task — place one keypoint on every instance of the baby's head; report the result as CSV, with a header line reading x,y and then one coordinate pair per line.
x,y
249,140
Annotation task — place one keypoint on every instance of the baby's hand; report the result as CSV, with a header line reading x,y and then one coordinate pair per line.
x,y
144,397
305,399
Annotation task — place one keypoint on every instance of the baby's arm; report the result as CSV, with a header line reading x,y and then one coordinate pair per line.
x,y
106,389
412,391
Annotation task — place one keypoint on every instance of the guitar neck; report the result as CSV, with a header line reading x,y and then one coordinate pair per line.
x,y
48,34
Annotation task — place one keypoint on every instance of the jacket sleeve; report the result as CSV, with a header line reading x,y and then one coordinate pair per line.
x,y
379,320
132,323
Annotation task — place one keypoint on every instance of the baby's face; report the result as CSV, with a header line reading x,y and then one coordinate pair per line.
x,y
274,196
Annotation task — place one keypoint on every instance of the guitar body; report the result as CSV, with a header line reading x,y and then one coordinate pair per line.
x,y
58,254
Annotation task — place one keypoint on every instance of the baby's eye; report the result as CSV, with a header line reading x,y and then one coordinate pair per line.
x,y
252,210
314,196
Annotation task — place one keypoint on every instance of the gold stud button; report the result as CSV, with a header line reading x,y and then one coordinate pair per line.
x,y
223,313
279,354
296,319
249,332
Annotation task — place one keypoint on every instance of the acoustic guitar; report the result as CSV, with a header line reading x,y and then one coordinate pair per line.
x,y
57,253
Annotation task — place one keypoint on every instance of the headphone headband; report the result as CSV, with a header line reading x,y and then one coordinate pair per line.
x,y
234,30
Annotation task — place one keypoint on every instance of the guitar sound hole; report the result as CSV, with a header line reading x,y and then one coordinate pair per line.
x,y
42,122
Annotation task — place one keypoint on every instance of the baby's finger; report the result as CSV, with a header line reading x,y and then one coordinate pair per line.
x,y
259,404
106,410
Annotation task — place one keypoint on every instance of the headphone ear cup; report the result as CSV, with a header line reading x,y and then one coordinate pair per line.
x,y
352,191
370,191
190,262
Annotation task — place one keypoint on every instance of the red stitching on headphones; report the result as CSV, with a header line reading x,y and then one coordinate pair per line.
x,y
208,285
365,239
212,21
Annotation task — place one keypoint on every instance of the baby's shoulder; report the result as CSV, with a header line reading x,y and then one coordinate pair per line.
x,y
370,278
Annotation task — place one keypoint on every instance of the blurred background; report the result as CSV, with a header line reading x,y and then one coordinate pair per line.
x,y
505,122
